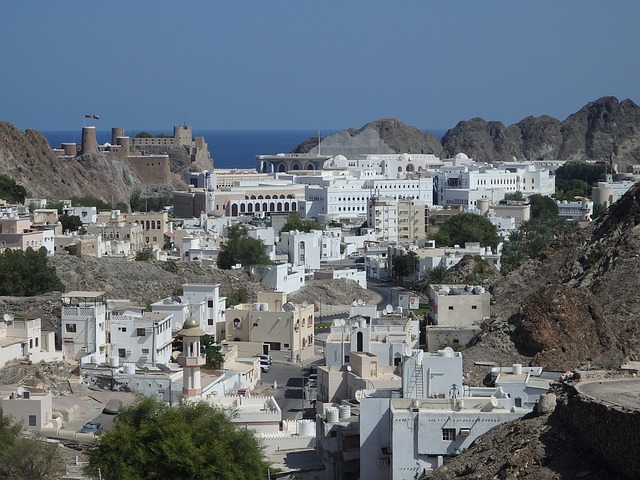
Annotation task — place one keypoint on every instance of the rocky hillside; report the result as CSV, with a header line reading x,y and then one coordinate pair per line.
x,y
597,130
28,159
576,305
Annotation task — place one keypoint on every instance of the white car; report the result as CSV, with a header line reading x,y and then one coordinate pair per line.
x,y
265,359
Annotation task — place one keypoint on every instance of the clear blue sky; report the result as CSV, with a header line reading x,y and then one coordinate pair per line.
x,y
299,64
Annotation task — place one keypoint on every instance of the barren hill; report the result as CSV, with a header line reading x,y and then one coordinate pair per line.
x,y
599,129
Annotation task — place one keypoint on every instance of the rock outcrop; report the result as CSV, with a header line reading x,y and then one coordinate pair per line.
x,y
597,131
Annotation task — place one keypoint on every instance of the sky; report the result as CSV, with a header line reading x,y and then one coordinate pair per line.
x,y
296,64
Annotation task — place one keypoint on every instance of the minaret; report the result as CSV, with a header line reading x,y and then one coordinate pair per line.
x,y
191,359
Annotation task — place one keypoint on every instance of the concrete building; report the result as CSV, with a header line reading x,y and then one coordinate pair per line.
x,y
33,409
382,219
83,327
214,305
142,338
579,211
23,339
608,192
354,274
113,226
273,321
460,305
282,277
154,227
302,249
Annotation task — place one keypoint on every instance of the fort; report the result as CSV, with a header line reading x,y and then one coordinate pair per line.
x,y
148,157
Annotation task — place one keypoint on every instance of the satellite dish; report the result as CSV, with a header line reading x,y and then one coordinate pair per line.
x,y
388,309
348,368
358,395
408,351
360,302
288,307
111,304
8,317
305,304
343,322
354,304
178,326
494,401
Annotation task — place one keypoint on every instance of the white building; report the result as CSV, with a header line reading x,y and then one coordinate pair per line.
x,y
579,211
436,416
83,326
282,277
143,339
608,192
23,339
302,249
208,295
383,218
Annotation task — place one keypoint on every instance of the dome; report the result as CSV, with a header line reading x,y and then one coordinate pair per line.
x,y
191,328
461,156
405,157
340,158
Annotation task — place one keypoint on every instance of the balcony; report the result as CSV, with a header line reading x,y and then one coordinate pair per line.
x,y
192,361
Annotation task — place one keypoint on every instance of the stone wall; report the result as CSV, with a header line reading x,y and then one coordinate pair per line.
x,y
611,432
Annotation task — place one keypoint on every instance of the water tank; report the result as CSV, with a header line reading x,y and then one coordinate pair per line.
x,y
517,369
129,368
332,415
344,411
114,362
307,428
256,307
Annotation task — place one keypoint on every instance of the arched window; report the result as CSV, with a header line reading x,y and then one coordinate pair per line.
x,y
243,208
359,341
234,210
286,206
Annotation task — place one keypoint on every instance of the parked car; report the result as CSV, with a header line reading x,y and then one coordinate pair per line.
x,y
112,407
264,366
355,255
313,380
91,427
265,358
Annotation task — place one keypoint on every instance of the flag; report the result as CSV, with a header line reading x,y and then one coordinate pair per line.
x,y
96,117
87,116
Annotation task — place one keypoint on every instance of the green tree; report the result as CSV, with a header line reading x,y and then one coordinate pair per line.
x,y
70,223
90,202
404,265
295,222
151,440
241,248
433,276
27,273
467,227
587,173
515,196
145,254
238,296
11,191
543,207
26,458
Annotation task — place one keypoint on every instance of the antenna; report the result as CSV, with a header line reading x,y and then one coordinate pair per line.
x,y
318,142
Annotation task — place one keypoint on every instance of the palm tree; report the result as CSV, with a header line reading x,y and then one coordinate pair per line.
x,y
432,276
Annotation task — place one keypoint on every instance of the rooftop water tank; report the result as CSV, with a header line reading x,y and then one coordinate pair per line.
x,y
344,411
129,368
332,415
307,428
517,369
114,362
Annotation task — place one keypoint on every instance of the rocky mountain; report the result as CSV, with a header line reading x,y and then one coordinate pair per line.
x,y
381,136
598,130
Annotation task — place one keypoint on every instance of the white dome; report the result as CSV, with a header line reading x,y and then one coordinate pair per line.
x,y
405,157
461,156
340,158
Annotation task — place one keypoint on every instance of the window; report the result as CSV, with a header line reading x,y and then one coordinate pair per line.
x,y
448,434
210,303
210,321
145,351
70,328
32,420
140,332
450,307
121,353
474,307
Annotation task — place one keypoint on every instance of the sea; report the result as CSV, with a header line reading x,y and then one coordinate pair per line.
x,y
228,148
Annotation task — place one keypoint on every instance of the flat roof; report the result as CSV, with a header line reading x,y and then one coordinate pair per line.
x,y
83,294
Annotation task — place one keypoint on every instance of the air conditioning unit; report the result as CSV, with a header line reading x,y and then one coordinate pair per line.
x,y
465,432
